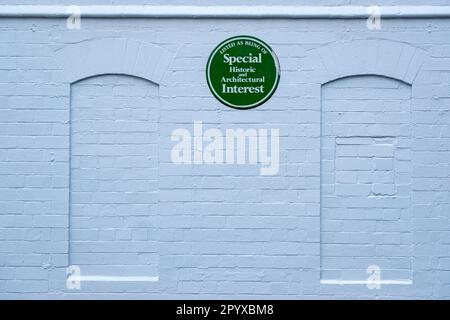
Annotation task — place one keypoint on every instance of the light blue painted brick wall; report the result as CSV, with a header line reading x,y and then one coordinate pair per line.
x,y
364,120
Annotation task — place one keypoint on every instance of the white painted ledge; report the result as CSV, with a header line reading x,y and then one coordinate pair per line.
x,y
80,279
365,282
224,12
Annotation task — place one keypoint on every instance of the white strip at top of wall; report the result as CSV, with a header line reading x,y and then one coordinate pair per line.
x,y
250,12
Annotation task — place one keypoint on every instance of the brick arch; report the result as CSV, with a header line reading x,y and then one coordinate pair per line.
x,y
369,61
113,56
379,57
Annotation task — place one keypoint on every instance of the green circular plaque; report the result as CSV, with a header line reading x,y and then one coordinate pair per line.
x,y
243,72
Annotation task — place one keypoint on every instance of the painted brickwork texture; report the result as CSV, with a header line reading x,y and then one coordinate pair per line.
x,y
86,176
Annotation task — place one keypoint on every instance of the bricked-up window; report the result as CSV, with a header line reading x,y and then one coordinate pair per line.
x,y
113,177
366,178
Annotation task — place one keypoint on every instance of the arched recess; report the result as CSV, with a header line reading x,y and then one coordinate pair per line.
x,y
113,100
356,71
113,56
391,59
114,176
366,170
